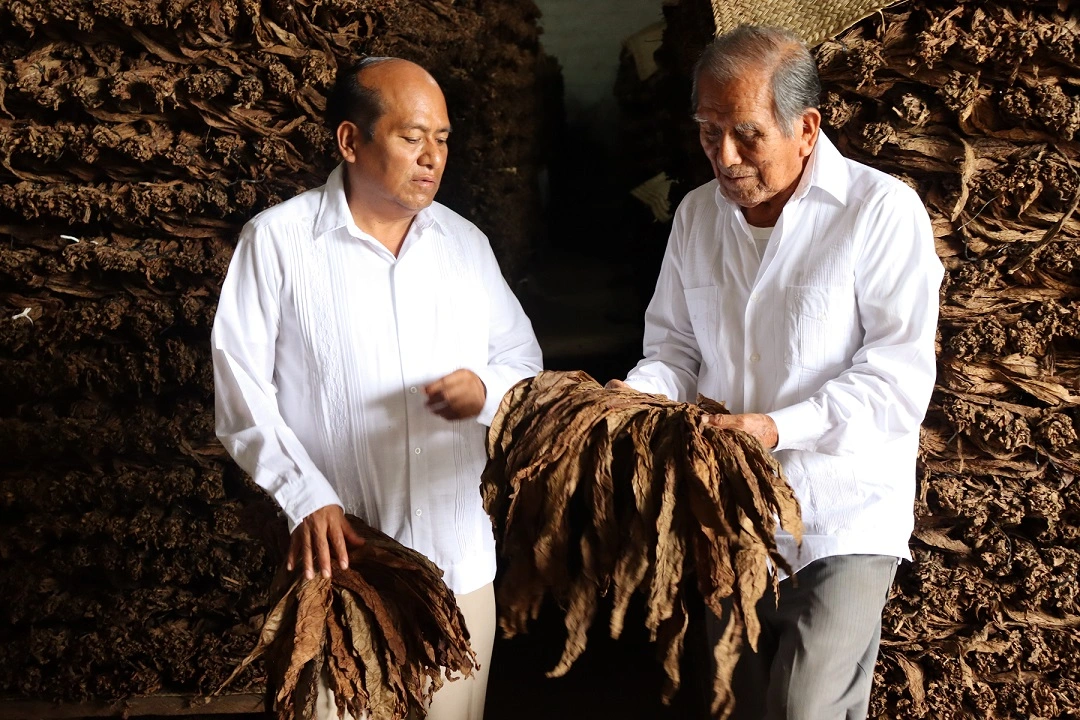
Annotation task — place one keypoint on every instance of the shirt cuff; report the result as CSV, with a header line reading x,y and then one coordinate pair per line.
x,y
647,386
798,426
496,384
653,379
307,495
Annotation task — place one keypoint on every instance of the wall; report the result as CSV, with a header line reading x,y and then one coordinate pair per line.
x,y
586,37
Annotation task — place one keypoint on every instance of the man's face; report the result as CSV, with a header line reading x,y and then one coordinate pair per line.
x,y
755,162
398,172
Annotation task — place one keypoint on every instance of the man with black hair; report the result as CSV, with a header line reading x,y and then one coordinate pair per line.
x,y
364,338
801,288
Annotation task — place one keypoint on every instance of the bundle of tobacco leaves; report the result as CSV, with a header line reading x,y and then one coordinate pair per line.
x,y
594,491
380,632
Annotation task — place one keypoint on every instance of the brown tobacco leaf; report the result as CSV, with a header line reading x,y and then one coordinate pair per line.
x,y
273,623
382,633
660,493
753,576
635,556
307,691
312,605
279,656
345,676
725,656
712,407
382,698
369,598
670,638
916,682
579,615
670,539
716,572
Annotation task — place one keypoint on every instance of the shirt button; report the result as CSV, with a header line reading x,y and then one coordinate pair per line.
x,y
754,297
413,389
416,450
754,358
419,512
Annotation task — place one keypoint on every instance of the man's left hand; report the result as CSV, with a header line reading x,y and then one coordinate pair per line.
x,y
759,425
458,396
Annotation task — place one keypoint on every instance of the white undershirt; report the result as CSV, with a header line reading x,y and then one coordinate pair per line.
x,y
761,237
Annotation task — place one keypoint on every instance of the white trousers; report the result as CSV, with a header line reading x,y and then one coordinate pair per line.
x,y
462,699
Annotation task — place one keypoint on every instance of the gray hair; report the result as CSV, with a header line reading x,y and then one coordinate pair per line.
x,y
749,48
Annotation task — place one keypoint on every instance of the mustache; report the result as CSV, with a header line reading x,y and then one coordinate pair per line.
x,y
733,174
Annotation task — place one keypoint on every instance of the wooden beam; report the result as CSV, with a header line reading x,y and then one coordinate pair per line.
x,y
170,705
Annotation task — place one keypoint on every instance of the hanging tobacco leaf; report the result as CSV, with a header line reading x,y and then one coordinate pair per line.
x,y
662,500
382,634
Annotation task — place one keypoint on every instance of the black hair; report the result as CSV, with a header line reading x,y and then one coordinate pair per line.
x,y
352,101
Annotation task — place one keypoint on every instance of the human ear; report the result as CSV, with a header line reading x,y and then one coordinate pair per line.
x,y
348,137
809,124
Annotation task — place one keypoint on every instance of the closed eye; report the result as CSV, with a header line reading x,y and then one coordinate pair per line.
x,y
748,131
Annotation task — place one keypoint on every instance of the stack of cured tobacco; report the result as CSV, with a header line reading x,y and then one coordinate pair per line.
x,y
976,105
380,634
606,493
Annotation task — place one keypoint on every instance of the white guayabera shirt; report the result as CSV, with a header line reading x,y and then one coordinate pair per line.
x,y
322,345
831,333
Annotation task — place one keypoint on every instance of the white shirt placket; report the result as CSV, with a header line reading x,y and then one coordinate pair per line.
x,y
413,349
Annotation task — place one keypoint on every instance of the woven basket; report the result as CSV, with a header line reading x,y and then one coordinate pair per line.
x,y
813,22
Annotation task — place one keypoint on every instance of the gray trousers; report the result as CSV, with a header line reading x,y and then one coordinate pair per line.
x,y
818,645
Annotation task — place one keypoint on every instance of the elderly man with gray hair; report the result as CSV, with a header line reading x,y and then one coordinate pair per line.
x,y
801,288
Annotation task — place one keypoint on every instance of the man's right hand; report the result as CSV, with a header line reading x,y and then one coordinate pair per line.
x,y
617,385
323,533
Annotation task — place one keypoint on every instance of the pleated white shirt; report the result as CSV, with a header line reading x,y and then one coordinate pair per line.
x,y
830,332
322,344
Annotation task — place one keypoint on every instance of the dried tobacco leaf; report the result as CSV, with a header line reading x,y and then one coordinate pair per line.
x,y
273,623
344,674
638,552
660,492
307,689
725,657
312,605
383,701
382,633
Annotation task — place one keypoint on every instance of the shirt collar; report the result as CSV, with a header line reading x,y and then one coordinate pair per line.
x,y
827,170
334,210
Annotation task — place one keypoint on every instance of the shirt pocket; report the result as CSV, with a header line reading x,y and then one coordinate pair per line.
x,y
703,307
817,321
